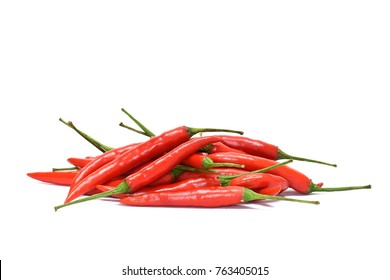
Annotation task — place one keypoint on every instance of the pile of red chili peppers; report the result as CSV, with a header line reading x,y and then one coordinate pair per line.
x,y
177,169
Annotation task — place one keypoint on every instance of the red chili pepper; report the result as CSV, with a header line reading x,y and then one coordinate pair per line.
x,y
58,178
296,180
100,161
165,163
218,171
203,197
220,147
144,152
274,190
63,179
131,158
262,149
252,180
155,170
202,161
260,181
248,180
80,162
188,184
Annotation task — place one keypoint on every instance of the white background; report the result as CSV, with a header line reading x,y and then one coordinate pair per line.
x,y
310,77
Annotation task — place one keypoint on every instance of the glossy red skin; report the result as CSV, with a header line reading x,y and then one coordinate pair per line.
x,y
202,197
111,185
220,147
259,181
134,157
99,161
166,179
219,171
63,178
195,160
166,162
274,190
79,162
188,184
251,146
296,180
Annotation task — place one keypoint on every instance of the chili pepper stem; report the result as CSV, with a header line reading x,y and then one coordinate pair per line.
x,y
192,169
140,125
208,163
316,188
120,189
55,169
100,146
283,155
192,130
225,179
132,129
250,195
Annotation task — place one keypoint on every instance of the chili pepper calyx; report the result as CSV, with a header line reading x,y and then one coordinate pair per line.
x,y
208,163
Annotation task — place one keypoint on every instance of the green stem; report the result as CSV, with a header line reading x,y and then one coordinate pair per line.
x,y
207,148
192,169
140,125
122,188
179,169
192,130
283,155
315,188
132,129
225,179
250,195
54,169
101,147
208,163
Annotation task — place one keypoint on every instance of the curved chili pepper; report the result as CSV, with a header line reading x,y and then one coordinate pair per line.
x,y
274,190
165,163
100,161
203,197
133,157
220,147
202,161
58,178
154,170
260,181
262,149
144,152
296,180
80,162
